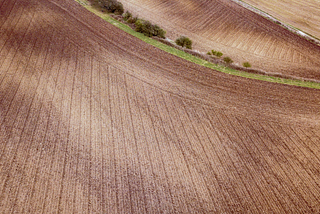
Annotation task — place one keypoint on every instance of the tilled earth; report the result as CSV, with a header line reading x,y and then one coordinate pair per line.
x,y
94,120
303,14
239,33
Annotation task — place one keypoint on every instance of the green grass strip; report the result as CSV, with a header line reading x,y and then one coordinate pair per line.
x,y
194,59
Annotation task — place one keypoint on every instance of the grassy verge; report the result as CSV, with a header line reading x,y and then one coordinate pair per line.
x,y
194,59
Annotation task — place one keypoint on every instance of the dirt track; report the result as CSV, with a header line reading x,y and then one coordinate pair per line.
x,y
236,31
96,121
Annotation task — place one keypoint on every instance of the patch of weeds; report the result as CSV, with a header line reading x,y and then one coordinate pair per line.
x,y
246,65
216,53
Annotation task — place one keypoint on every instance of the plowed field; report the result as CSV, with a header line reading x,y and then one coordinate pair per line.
x,y
301,14
237,32
92,120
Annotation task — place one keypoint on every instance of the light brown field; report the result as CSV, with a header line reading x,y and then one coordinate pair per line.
x,y
239,33
93,120
303,14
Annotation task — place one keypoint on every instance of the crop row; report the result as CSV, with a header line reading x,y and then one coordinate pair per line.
x,y
133,133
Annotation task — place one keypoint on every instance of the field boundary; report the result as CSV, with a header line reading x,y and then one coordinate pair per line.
x,y
242,72
291,28
232,66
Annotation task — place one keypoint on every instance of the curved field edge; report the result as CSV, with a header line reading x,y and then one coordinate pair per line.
x,y
195,59
299,30
294,29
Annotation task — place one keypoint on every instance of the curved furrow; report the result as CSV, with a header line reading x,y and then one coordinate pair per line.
x,y
232,21
94,120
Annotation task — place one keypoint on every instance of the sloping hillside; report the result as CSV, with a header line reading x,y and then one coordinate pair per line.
x,y
301,14
95,121
236,31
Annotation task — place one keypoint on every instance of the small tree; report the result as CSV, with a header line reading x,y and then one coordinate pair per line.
x,y
184,42
127,15
118,8
112,6
159,32
228,60
246,65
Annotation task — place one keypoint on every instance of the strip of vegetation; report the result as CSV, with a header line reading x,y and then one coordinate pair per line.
x,y
111,6
148,29
117,10
197,60
129,18
227,60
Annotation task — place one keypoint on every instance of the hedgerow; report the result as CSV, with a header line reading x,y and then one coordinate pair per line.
x,y
148,29
112,6
127,15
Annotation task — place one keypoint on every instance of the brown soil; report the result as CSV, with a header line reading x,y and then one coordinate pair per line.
x,y
93,120
303,14
234,30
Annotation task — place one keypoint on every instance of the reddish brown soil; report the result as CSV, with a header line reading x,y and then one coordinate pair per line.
x,y
95,121
236,31
303,14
